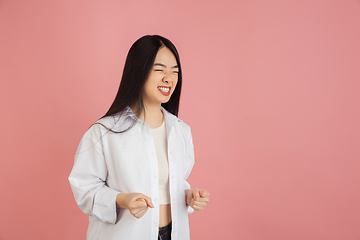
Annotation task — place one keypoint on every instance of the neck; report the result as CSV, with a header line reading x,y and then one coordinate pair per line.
x,y
151,115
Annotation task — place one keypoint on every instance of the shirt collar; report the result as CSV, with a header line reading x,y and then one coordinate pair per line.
x,y
130,113
169,118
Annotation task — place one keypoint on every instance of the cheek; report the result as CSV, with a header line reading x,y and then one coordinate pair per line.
x,y
147,89
175,82
149,85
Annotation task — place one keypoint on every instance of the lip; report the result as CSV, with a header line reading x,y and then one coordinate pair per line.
x,y
165,93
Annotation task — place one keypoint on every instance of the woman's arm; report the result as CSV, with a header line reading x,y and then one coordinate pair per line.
x,y
195,198
88,179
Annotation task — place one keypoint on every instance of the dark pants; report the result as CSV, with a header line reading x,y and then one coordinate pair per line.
x,y
165,232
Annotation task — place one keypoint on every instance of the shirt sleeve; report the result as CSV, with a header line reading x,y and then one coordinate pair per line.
x,y
88,179
190,161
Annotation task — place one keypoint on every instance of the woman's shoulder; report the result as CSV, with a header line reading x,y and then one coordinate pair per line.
x,y
184,125
118,120
108,121
114,122
179,122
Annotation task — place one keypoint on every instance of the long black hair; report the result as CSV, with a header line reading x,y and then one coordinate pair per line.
x,y
138,65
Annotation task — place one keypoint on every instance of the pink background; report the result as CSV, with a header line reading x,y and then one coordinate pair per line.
x,y
271,90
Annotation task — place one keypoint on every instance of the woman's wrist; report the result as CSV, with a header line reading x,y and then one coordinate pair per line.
x,y
120,200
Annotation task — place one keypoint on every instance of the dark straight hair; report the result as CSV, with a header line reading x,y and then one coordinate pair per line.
x,y
139,62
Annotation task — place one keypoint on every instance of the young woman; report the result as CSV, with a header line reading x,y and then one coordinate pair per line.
x,y
130,170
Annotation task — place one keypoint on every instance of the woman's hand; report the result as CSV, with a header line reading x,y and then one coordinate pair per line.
x,y
137,203
197,198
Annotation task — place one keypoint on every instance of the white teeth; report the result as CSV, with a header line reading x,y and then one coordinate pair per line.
x,y
164,89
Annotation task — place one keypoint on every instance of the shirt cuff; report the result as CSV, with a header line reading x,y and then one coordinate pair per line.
x,y
105,205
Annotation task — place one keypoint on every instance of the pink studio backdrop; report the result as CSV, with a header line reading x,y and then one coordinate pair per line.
x,y
271,91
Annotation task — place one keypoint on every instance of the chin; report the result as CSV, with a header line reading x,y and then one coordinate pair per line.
x,y
165,100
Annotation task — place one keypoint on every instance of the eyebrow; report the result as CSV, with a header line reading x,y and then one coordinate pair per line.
x,y
163,65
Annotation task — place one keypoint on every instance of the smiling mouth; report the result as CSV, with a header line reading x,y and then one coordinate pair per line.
x,y
164,89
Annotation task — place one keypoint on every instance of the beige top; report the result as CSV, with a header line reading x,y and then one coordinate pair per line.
x,y
160,141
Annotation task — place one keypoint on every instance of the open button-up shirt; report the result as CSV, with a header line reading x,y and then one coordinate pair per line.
x,y
108,163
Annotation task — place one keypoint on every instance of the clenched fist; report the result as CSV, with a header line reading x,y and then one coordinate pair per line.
x,y
137,203
197,198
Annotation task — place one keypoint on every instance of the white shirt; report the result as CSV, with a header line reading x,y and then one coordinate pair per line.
x,y
107,164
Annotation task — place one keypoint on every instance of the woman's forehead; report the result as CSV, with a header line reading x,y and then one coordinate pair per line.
x,y
165,57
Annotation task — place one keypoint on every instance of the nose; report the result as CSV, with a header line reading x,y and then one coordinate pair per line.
x,y
167,78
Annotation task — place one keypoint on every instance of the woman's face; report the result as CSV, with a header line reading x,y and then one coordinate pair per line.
x,y
162,80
